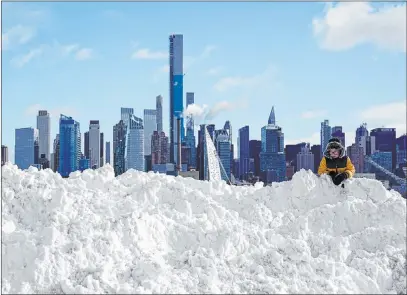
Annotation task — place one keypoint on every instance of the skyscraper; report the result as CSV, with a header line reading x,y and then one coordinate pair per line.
x,y
119,146
150,125
176,77
94,144
385,141
272,156
255,150
159,109
69,145
86,144
305,159
56,154
190,133
356,155
316,151
325,135
401,146
337,132
223,149
44,133
228,128
4,155
102,144
244,151
107,152
291,152
159,148
135,144
25,140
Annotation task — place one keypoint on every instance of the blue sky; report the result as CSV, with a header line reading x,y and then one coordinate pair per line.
x,y
312,61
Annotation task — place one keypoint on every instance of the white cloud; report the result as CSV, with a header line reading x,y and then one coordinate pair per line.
x,y
389,115
20,61
313,114
207,51
348,24
68,49
226,83
214,71
84,54
205,113
17,35
146,53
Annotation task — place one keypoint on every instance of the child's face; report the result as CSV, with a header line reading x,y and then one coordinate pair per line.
x,y
334,153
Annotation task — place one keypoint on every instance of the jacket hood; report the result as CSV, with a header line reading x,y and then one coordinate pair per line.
x,y
334,144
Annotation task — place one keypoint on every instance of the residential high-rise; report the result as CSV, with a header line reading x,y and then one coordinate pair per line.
x,y
119,147
385,141
102,144
86,144
305,159
56,154
107,152
150,125
337,132
272,156
244,151
44,133
159,109
69,145
223,149
4,155
159,148
255,150
325,135
176,77
25,141
94,144
135,144
356,154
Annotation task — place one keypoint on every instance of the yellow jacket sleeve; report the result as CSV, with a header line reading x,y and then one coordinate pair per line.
x,y
350,169
322,166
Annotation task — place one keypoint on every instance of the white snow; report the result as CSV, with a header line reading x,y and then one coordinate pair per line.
x,y
151,233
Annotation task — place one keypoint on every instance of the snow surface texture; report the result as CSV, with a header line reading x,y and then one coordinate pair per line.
x,y
143,233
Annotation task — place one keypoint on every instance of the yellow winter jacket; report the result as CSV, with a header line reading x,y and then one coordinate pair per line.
x,y
339,165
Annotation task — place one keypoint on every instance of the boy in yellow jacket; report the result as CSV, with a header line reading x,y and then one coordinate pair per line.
x,y
335,163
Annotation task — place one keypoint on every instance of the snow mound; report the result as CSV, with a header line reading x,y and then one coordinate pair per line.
x,y
151,233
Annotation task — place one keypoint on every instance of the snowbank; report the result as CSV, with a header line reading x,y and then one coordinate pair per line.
x,y
143,233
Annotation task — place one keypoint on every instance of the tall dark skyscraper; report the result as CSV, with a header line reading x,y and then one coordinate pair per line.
x,y
70,149
316,150
255,150
385,141
291,152
176,80
159,109
244,151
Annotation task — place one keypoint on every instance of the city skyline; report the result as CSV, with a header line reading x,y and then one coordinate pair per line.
x,y
371,89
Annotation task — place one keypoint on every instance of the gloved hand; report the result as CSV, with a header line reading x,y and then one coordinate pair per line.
x,y
339,178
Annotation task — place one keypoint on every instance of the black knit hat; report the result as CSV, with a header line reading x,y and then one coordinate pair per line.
x,y
334,139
